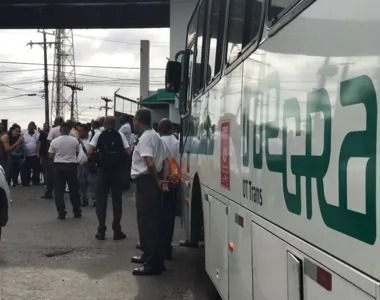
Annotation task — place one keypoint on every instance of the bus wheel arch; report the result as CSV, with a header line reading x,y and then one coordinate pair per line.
x,y
196,232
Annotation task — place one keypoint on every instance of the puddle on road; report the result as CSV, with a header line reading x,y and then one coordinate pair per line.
x,y
72,254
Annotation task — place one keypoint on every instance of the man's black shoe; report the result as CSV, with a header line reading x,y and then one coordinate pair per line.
x,y
62,216
101,236
47,197
94,204
84,203
147,270
138,259
119,235
77,215
139,246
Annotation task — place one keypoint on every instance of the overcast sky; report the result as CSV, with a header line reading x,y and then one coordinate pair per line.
x,y
111,48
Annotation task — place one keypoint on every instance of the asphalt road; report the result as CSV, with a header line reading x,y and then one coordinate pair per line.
x,y
48,259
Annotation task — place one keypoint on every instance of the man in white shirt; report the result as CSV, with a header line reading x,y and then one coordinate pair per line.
x,y
64,151
111,149
171,197
150,169
53,134
126,130
31,163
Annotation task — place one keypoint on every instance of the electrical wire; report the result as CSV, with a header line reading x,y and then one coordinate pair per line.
x,y
113,40
26,70
77,66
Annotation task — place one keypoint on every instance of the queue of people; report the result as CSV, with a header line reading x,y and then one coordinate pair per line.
x,y
95,160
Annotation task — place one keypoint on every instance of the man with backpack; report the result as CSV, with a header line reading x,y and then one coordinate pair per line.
x,y
111,149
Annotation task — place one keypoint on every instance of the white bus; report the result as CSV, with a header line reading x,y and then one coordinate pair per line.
x,y
279,147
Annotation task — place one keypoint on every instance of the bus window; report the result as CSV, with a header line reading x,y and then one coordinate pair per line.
x,y
216,36
278,8
235,29
253,20
191,77
199,59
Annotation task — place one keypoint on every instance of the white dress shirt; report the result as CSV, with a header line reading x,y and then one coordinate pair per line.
x,y
94,141
127,131
149,145
31,143
172,144
55,132
82,157
65,149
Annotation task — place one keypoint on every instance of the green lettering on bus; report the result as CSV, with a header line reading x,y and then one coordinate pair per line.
x,y
356,144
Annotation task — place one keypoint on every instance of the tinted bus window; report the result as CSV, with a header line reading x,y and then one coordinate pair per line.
x,y
278,8
216,36
253,20
192,29
235,29
198,69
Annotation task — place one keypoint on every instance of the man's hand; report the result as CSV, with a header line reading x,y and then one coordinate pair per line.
x,y
38,156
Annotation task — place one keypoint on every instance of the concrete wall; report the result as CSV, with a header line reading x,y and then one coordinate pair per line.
x,y
173,114
159,114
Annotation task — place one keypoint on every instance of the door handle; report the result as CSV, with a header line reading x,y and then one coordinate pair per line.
x,y
295,278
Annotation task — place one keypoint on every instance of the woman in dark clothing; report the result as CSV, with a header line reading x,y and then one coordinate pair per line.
x,y
13,145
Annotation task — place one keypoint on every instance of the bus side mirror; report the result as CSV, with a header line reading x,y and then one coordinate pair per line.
x,y
173,77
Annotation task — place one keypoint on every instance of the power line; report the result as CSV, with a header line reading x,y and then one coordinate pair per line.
x,y
26,70
78,66
21,108
11,87
113,40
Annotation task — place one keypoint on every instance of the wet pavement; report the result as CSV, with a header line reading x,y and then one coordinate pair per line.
x,y
44,258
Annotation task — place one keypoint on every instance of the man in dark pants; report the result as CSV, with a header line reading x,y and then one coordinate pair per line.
x,y
165,129
127,131
111,149
64,150
43,151
31,163
54,133
149,166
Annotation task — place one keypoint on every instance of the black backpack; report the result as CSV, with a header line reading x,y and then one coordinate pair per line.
x,y
110,150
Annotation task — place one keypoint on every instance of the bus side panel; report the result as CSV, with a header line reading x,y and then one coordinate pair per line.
x,y
223,175
281,271
239,256
314,142
217,246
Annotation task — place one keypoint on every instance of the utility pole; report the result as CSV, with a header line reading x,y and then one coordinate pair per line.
x,y
44,45
73,88
106,107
